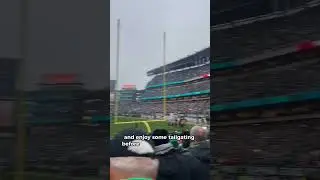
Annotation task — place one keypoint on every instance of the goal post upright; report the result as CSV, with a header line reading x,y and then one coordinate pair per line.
x,y
117,93
164,87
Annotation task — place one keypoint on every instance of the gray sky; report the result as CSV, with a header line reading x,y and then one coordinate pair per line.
x,y
186,22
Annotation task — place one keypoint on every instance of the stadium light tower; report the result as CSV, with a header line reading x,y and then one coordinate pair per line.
x,y
164,89
117,98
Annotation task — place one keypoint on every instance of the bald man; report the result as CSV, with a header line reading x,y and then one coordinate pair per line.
x,y
130,158
200,146
133,167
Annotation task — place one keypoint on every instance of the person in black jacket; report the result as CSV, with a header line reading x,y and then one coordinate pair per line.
x,y
174,165
186,142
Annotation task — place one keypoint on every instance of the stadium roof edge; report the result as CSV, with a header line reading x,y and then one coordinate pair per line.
x,y
174,65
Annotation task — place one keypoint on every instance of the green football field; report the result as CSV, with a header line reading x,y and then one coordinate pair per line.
x,y
129,122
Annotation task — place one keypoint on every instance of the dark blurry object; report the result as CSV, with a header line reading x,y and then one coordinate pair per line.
x,y
186,142
60,78
8,75
306,45
160,133
6,112
175,165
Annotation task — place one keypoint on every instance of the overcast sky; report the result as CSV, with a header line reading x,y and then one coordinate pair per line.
x,y
143,22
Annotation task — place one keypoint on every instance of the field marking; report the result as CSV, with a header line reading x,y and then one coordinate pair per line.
x,y
131,122
144,122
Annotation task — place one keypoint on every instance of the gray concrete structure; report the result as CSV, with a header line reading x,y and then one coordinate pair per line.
x,y
64,37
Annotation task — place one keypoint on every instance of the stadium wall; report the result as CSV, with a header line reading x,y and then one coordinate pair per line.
x,y
256,65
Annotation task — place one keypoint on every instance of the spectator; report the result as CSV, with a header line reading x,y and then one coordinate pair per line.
x,y
197,86
200,147
162,146
186,142
175,143
173,165
131,161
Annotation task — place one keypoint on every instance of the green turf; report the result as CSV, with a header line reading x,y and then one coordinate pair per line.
x,y
115,128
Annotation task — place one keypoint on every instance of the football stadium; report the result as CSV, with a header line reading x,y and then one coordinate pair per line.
x,y
180,94
255,90
174,104
265,92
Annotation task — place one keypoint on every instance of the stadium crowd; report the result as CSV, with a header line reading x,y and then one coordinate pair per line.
x,y
188,105
196,106
191,107
181,75
283,144
161,158
76,150
259,36
228,10
279,80
286,144
179,89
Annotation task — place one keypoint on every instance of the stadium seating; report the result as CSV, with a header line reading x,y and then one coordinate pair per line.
x,y
192,107
67,149
154,91
6,153
226,4
281,80
276,144
225,11
129,107
261,36
180,89
180,75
